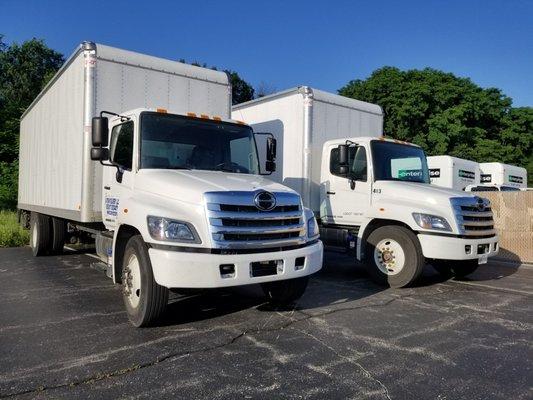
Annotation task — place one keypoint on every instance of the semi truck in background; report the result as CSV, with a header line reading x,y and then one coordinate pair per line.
x,y
140,155
370,194
453,172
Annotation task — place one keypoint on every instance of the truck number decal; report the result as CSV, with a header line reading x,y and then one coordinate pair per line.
x,y
434,172
111,206
486,178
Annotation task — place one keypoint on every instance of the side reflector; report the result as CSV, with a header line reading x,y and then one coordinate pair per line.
x,y
161,110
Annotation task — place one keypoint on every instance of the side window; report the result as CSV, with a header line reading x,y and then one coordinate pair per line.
x,y
122,145
356,161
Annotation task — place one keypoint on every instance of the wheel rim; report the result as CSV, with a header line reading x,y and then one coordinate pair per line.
x,y
132,281
389,257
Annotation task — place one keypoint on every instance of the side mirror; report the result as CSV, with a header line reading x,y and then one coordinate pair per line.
x,y
99,154
271,154
343,159
271,149
100,132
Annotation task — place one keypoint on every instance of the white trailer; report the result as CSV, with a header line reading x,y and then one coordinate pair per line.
x,y
453,172
494,173
372,194
302,119
169,186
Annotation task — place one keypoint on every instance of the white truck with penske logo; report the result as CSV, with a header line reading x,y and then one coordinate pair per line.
x,y
172,196
372,195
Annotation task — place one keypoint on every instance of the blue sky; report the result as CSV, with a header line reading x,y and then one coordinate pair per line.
x,y
288,43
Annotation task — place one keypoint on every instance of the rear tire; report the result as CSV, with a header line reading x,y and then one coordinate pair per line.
x,y
39,234
59,230
281,293
144,299
393,256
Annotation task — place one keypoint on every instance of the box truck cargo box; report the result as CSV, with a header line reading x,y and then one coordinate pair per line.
x,y
494,173
453,172
57,176
302,119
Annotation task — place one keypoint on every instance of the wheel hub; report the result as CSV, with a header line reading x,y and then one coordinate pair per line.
x,y
389,257
131,281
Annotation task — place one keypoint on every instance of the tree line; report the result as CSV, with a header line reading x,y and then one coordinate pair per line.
x,y
439,111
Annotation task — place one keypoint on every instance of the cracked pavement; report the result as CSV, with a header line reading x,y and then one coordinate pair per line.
x,y
64,334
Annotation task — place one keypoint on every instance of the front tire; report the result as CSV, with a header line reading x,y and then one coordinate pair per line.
x,y
144,299
393,256
282,293
39,234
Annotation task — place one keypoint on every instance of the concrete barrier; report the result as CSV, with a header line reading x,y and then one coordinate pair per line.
x,y
513,216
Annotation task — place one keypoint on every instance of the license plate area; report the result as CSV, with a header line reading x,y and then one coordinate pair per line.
x,y
266,268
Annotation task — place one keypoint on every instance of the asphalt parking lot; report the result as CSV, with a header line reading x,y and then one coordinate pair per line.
x,y
64,334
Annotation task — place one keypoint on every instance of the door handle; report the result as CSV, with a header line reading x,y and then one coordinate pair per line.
x,y
107,187
328,192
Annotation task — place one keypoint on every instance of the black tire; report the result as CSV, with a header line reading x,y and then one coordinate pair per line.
x,y
282,293
455,268
414,260
152,298
39,234
59,230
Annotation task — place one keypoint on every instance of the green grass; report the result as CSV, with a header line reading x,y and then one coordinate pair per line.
x,y
11,234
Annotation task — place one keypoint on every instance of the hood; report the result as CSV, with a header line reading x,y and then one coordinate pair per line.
x,y
423,192
189,186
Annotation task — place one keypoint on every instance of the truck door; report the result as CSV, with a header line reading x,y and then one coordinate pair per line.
x,y
118,182
348,198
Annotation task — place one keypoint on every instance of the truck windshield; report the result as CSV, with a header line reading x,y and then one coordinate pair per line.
x,y
399,162
177,142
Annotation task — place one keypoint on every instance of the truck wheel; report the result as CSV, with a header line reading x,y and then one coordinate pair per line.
x,y
59,229
144,299
281,293
393,256
457,268
39,234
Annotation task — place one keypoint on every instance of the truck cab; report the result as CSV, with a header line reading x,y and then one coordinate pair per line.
x,y
377,192
184,206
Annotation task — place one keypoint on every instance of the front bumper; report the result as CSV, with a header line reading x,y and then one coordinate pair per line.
x,y
175,269
453,248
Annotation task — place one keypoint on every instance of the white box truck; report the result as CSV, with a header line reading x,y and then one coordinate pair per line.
x,y
168,185
371,194
453,172
495,173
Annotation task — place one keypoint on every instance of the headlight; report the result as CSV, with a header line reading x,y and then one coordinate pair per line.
x,y
428,221
167,229
312,227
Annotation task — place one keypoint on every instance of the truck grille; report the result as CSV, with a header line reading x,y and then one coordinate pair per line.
x,y
474,216
236,222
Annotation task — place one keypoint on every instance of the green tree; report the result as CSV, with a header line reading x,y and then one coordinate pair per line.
x,y
24,70
446,114
241,90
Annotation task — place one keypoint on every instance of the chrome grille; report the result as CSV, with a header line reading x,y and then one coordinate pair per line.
x,y
474,216
235,222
